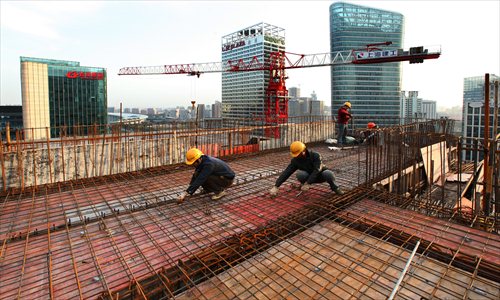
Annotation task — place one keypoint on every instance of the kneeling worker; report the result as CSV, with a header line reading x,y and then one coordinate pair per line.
x,y
211,173
311,170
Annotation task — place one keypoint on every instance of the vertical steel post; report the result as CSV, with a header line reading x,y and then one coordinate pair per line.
x,y
487,175
495,117
496,155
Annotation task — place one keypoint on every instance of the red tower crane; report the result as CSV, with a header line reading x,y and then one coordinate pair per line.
x,y
276,101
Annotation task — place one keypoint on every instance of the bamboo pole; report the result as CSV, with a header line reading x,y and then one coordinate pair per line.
x,y
20,161
111,152
62,153
49,157
76,173
101,161
2,159
33,151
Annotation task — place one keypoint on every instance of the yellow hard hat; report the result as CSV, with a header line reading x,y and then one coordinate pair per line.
x,y
296,148
192,155
348,104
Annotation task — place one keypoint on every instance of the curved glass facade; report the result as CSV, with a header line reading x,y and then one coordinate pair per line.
x,y
373,89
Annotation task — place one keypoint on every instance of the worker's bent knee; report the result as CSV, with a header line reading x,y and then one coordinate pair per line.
x,y
328,175
302,176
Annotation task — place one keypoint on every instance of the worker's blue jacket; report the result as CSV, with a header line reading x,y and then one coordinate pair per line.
x,y
311,163
209,166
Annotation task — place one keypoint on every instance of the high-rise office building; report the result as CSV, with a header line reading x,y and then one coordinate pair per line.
x,y
294,92
314,96
217,109
199,112
473,112
294,108
474,127
410,107
208,112
429,109
61,95
474,92
151,111
243,93
316,108
372,89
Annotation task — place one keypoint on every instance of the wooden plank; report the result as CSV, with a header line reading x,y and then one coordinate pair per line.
x,y
435,158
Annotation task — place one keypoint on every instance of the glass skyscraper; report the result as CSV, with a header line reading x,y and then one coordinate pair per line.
x,y
243,93
61,95
473,112
372,89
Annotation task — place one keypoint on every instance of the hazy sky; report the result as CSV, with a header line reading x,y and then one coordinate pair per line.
x,y
116,34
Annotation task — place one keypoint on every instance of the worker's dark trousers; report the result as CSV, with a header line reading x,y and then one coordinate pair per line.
x,y
326,175
341,133
216,184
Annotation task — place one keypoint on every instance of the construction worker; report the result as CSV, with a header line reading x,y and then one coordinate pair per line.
x,y
310,170
343,117
211,173
370,134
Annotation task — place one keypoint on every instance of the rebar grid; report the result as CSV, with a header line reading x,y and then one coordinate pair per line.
x,y
94,210
123,235
329,261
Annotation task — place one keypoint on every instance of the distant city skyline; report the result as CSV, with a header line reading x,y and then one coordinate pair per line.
x,y
115,34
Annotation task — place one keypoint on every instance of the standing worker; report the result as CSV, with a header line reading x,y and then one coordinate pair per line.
x,y
211,173
343,117
311,170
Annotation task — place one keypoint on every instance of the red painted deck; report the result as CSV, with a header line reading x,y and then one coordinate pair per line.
x,y
450,237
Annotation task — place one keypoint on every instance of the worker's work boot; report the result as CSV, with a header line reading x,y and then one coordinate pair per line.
x,y
219,195
338,191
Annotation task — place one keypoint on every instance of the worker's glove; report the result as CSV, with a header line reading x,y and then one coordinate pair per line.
x,y
273,191
305,187
182,196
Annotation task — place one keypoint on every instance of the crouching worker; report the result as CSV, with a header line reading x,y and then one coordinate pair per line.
x,y
310,170
371,134
211,173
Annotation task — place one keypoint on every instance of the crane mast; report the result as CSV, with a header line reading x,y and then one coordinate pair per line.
x,y
276,101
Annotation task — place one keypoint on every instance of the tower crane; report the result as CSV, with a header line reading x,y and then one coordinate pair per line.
x,y
276,101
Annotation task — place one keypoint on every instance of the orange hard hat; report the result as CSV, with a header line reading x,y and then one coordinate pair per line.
x,y
371,125
192,155
296,148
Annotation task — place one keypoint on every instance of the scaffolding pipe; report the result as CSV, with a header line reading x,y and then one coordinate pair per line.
x,y
404,271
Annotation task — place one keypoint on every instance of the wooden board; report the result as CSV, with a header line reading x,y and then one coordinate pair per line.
x,y
435,158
